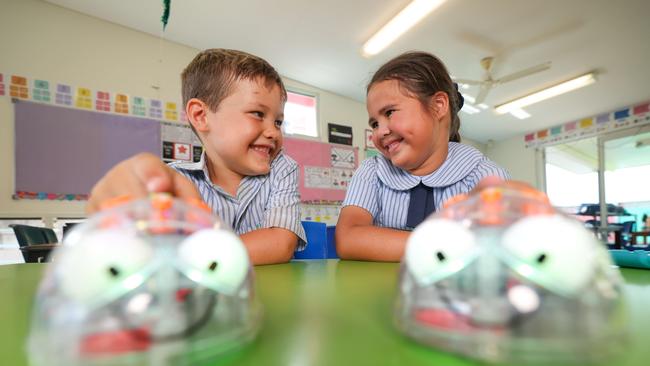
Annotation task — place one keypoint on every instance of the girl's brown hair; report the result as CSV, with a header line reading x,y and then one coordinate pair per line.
x,y
423,75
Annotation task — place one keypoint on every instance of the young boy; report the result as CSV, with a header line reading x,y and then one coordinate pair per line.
x,y
234,102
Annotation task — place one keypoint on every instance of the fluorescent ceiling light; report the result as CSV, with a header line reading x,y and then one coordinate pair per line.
x,y
468,98
403,21
483,106
520,113
547,93
469,109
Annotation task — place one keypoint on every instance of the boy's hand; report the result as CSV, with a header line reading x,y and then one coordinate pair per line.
x,y
137,177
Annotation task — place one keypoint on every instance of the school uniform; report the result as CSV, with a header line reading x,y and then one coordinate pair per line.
x,y
385,190
262,201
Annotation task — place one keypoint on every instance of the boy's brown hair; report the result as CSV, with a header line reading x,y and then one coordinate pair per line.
x,y
212,74
423,75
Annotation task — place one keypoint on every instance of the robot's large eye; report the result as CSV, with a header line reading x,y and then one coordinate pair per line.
x,y
215,258
552,251
102,265
439,248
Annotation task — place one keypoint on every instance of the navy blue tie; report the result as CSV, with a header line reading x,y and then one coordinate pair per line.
x,y
420,205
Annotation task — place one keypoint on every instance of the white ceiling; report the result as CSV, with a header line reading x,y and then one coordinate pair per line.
x,y
318,42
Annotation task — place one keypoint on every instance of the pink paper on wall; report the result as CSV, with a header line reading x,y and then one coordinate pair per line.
x,y
314,155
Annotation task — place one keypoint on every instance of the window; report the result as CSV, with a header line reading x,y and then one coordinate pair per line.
x,y
300,115
572,174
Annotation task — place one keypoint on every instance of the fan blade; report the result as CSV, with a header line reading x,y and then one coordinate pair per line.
x,y
468,81
524,72
482,93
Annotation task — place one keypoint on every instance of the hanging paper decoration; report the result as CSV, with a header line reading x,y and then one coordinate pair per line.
x,y
83,98
170,111
122,104
86,98
41,91
138,108
18,87
592,126
166,9
103,101
155,108
63,95
20,195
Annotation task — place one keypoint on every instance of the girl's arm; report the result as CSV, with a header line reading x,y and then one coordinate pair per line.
x,y
357,238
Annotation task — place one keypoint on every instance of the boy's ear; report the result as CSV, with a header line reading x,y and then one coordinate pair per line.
x,y
440,105
197,114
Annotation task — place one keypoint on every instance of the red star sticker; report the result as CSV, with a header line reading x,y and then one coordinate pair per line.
x,y
182,149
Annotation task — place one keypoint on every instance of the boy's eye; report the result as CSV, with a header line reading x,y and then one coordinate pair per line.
x,y
389,112
374,124
258,114
278,123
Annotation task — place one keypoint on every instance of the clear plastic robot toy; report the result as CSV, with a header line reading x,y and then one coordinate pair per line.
x,y
153,281
501,276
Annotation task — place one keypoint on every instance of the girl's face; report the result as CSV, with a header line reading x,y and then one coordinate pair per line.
x,y
413,137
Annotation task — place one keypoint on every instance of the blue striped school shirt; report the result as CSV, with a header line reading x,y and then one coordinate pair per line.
x,y
384,189
262,201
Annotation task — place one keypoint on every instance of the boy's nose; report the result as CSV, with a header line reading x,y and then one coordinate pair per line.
x,y
272,132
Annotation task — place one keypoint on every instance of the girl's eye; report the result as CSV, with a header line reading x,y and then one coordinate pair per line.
x,y
374,124
389,112
278,123
258,114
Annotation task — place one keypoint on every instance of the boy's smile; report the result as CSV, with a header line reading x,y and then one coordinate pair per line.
x,y
243,135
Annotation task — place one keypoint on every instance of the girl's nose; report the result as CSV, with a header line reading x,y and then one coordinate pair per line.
x,y
382,129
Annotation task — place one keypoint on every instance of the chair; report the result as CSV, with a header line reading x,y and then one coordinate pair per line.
x,y
625,233
35,242
320,241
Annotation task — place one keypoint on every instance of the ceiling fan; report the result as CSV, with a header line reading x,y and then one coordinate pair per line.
x,y
488,82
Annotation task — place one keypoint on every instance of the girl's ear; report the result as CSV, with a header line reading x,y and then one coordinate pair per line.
x,y
197,114
440,105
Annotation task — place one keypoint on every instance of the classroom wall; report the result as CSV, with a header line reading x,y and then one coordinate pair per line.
x,y
41,40
520,161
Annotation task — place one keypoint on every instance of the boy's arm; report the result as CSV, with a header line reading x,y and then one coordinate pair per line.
x,y
137,177
276,241
270,245
357,237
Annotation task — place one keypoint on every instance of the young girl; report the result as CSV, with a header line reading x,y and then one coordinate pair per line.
x,y
413,112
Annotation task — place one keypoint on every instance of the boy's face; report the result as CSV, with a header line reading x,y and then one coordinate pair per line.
x,y
404,130
244,134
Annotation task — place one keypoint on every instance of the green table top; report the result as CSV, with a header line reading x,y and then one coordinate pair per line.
x,y
324,312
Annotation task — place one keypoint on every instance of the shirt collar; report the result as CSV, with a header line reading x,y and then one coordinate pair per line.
x,y
461,160
202,166
195,166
